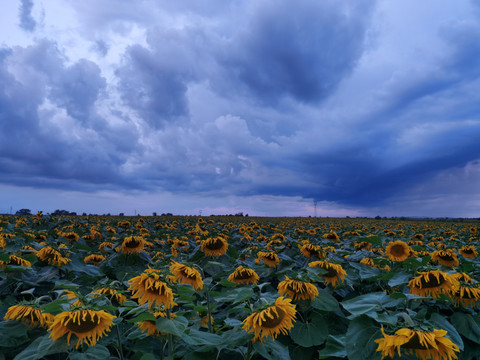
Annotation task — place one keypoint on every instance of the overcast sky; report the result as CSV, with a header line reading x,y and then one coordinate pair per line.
x,y
260,106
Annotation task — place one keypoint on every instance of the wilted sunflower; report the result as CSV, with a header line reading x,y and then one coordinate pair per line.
x,y
105,245
423,344
332,235
398,251
468,294
52,256
132,244
29,315
70,236
446,257
70,295
93,259
335,273
149,289
243,275
15,260
468,252
150,327
186,275
270,258
309,250
216,246
433,283
112,294
271,321
297,290
87,325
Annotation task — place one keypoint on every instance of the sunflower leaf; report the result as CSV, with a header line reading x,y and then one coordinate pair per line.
x,y
334,346
174,326
467,325
308,334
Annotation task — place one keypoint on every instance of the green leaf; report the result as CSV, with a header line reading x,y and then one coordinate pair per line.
x,y
374,240
235,295
360,339
369,302
174,326
197,337
13,334
272,350
227,283
325,301
42,347
411,263
97,352
55,306
309,334
399,278
467,325
335,346
143,317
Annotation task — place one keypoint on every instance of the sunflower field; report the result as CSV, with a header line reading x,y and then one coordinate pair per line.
x,y
168,287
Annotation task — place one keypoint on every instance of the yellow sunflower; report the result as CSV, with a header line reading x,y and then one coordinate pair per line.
x,y
335,273
468,252
52,256
112,294
149,289
398,251
105,245
186,275
297,290
93,259
70,295
271,321
150,327
87,325
132,244
29,315
17,261
309,250
423,344
468,294
216,246
446,257
270,258
332,235
433,283
243,275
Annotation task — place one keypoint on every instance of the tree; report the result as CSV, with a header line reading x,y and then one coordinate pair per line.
x,y
24,212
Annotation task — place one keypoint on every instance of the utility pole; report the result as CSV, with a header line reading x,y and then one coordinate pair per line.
x,y
315,207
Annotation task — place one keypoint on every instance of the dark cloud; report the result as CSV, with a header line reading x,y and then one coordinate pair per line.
x,y
296,49
27,21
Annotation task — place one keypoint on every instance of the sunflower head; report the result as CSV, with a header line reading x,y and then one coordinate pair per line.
x,y
243,275
433,283
216,246
468,252
93,259
297,290
87,325
335,273
184,274
398,251
149,289
271,321
132,244
332,235
423,344
110,293
28,314
270,258
446,257
51,256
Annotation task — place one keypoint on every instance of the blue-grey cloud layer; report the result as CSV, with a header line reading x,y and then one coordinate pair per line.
x,y
242,99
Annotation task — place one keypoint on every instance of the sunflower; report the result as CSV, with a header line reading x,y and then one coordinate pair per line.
x,y
297,290
150,327
70,295
433,283
94,259
468,252
362,245
216,246
112,294
423,344
398,251
335,273
149,289
87,325
17,261
132,244
446,257
468,294
332,235
269,258
204,319
71,236
186,275
309,250
271,321
52,256
105,245
29,315
243,275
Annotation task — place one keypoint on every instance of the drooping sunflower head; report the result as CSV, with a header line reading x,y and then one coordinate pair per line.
x,y
150,327
132,244
52,256
423,344
28,314
335,273
446,257
274,320
243,275
433,283
216,246
186,275
87,325
398,251
297,290
270,258
468,252
16,261
93,259
110,293
332,235
149,289
105,246
309,250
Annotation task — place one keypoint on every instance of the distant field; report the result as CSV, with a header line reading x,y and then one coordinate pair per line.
x,y
107,287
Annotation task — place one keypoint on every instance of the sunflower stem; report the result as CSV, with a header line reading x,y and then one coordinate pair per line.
x,y
170,338
249,351
119,340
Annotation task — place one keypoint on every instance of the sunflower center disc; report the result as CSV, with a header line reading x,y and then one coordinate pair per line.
x,y
85,325
414,343
243,275
273,320
431,282
132,244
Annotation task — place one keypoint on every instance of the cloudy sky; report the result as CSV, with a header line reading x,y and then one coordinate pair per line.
x,y
259,106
